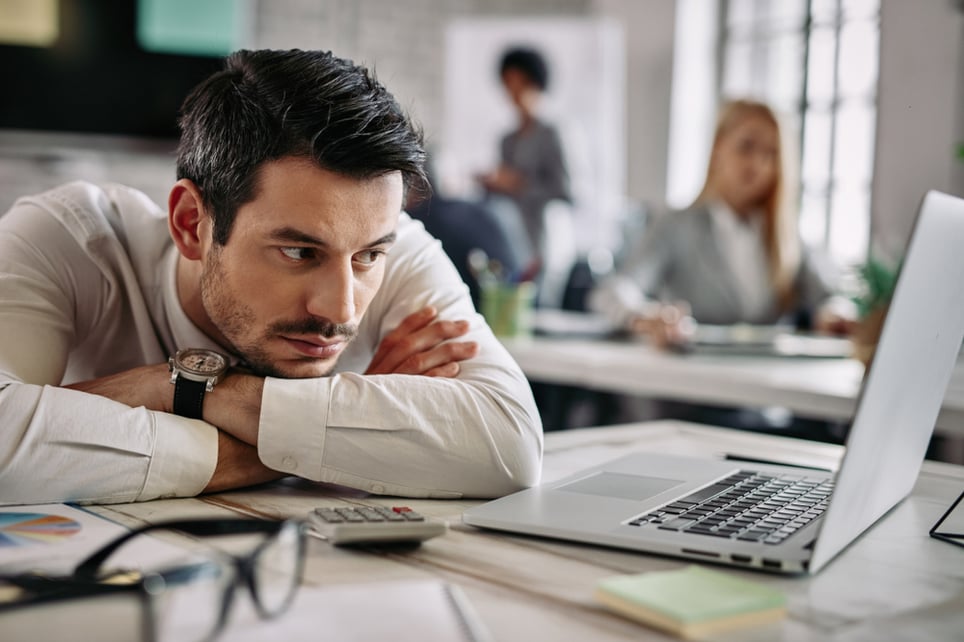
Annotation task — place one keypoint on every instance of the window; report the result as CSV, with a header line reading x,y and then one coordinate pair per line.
x,y
816,62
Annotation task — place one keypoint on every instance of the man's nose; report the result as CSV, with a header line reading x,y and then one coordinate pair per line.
x,y
331,296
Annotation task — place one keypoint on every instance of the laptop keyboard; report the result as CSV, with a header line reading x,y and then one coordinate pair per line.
x,y
746,506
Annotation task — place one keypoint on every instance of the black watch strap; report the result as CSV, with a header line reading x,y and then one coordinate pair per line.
x,y
189,397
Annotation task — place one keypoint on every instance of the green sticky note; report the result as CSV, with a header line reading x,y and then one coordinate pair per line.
x,y
693,601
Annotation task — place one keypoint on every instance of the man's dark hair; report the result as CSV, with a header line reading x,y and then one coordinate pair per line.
x,y
267,105
528,61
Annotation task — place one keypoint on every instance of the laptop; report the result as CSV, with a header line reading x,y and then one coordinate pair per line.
x,y
764,341
776,518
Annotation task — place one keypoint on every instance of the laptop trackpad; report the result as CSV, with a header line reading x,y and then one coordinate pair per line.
x,y
635,487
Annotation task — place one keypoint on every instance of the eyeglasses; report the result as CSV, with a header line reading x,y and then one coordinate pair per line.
x,y
184,602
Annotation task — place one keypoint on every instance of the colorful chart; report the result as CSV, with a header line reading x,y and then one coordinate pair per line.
x,y
25,529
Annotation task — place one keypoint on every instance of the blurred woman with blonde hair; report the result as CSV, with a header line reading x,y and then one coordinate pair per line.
x,y
733,256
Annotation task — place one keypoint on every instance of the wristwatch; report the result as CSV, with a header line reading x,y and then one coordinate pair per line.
x,y
194,371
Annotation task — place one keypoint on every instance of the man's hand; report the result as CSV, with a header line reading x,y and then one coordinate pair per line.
x,y
504,180
148,386
420,346
238,466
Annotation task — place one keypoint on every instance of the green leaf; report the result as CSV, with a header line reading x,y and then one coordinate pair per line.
x,y
877,280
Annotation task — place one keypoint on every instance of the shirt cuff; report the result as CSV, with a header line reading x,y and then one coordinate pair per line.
x,y
184,458
291,430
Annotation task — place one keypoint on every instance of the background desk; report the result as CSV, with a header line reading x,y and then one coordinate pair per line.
x,y
525,589
817,388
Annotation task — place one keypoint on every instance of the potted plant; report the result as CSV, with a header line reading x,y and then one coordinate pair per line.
x,y
877,282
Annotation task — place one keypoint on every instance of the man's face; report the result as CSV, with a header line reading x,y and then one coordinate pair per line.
x,y
301,266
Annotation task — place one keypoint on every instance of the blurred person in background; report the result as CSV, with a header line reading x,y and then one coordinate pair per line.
x,y
734,256
532,171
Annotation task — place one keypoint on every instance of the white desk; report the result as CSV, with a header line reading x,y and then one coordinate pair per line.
x,y
894,579
818,388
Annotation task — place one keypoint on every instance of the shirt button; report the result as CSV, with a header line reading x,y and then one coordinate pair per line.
x,y
378,488
289,464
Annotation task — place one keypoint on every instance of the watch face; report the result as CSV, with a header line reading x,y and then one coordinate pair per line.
x,y
202,362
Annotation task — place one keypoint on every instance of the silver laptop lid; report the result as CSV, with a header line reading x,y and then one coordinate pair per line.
x,y
905,384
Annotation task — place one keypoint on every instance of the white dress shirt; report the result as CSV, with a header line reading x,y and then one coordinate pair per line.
x,y
741,244
87,284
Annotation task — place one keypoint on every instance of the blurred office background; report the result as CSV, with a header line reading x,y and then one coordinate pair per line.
x,y
872,92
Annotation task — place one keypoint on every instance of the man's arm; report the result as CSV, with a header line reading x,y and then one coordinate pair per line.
x,y
61,295
419,345
149,387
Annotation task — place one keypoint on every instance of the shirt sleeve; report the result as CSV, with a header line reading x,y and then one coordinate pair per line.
x,y
476,435
58,444
64,445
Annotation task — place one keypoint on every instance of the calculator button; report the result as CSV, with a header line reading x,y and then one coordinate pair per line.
x,y
371,515
328,515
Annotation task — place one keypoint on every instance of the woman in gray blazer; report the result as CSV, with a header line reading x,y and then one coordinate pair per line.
x,y
734,256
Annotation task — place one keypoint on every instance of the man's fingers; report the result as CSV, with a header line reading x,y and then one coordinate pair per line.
x,y
411,346
424,362
409,325
416,321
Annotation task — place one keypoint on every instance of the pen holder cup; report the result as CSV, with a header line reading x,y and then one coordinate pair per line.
x,y
507,308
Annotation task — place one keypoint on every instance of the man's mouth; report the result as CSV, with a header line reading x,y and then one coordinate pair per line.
x,y
316,347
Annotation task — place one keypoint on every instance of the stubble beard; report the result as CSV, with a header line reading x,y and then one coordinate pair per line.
x,y
232,317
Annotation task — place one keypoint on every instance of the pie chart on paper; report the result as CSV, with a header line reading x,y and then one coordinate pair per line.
x,y
26,529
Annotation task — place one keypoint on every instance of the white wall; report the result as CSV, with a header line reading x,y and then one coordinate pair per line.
x,y
648,28
920,113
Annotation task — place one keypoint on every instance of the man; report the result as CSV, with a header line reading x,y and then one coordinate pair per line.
x,y
288,253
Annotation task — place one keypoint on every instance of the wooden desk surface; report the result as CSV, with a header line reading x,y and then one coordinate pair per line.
x,y
812,387
894,579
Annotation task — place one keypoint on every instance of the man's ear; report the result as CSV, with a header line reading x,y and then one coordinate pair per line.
x,y
185,215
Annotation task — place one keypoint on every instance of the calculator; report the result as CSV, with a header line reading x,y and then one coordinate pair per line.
x,y
360,525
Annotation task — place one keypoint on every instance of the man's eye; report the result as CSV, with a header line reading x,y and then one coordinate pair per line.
x,y
369,257
296,253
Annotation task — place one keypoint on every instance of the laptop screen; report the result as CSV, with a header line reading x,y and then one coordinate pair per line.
x,y
904,387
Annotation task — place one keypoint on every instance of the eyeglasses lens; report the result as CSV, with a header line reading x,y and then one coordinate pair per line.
x,y
190,600
277,570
